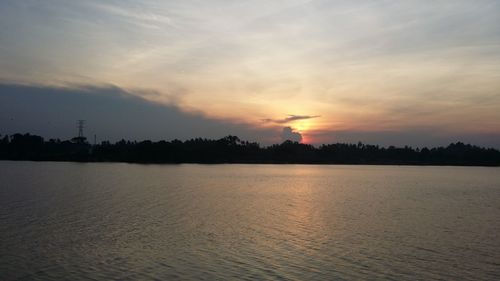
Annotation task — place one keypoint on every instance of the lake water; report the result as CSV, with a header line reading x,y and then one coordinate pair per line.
x,y
78,221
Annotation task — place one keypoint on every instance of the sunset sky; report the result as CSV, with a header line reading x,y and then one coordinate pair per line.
x,y
386,72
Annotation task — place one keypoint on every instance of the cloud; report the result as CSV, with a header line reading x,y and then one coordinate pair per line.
x,y
111,113
290,118
289,134
248,58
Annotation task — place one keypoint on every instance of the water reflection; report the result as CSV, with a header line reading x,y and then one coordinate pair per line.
x,y
120,221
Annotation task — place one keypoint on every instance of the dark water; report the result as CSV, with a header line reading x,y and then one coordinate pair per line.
x,y
291,222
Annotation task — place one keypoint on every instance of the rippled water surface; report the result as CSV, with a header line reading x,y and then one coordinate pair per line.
x,y
276,222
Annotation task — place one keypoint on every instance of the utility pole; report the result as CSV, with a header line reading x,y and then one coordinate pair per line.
x,y
81,125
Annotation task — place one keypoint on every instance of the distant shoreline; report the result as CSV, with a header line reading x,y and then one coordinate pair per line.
x,y
236,163
232,150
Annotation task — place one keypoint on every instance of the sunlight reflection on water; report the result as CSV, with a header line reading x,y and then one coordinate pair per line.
x,y
283,222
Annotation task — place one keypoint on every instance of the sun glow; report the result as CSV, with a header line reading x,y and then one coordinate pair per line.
x,y
304,127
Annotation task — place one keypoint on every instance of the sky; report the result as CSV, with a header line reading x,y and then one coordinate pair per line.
x,y
416,72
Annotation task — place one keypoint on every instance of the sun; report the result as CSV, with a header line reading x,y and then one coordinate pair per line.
x,y
304,127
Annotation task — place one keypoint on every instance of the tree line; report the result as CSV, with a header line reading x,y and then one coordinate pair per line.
x,y
231,149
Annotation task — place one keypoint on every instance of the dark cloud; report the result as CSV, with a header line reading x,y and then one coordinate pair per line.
x,y
290,118
111,113
289,134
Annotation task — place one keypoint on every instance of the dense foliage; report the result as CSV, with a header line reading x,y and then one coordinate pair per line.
x,y
231,149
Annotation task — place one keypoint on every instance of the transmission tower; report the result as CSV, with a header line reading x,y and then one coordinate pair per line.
x,y
80,125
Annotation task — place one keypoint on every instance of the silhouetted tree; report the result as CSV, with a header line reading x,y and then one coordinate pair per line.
x,y
231,149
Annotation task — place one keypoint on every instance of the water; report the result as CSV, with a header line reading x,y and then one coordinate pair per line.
x,y
276,222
